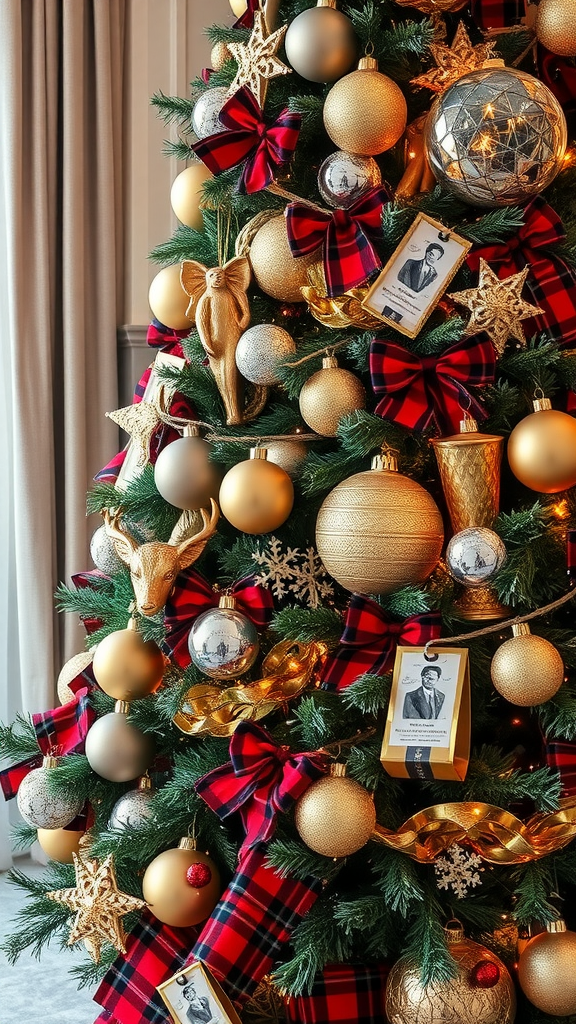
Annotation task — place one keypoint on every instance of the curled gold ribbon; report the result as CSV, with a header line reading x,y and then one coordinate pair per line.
x,y
342,310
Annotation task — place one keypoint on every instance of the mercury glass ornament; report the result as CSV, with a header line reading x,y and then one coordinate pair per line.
x,y
102,552
135,807
343,177
223,642
496,137
42,807
260,350
205,119
474,555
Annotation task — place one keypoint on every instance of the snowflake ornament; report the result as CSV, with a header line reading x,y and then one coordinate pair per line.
x,y
293,572
458,871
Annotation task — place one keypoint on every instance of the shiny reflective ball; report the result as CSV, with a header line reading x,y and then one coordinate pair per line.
x,y
321,44
344,177
475,555
223,643
117,750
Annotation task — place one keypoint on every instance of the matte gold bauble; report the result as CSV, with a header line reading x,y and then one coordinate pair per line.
x,y
542,449
168,300
527,669
546,970
184,474
256,496
172,899
219,54
335,816
127,667
320,43
73,667
556,26
378,531
328,395
60,843
116,750
238,7
276,270
365,112
186,193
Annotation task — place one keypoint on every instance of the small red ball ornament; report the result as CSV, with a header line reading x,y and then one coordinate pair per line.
x,y
485,974
199,875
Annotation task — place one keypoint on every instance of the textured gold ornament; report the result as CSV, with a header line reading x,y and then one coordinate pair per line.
x,y
219,54
342,310
257,60
408,1001
168,893
527,669
186,194
328,395
379,530
98,904
73,667
256,496
168,300
320,43
542,449
60,843
556,26
497,306
139,421
335,816
275,269
454,61
365,112
433,6
127,667
546,970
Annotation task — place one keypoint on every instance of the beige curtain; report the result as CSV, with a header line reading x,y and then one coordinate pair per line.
x,y
61,243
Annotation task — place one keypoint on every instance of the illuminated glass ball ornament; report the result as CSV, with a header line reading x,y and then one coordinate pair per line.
x,y
496,137
223,642
344,177
475,555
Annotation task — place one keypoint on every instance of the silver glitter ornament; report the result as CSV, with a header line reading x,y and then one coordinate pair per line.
x,y
474,555
135,807
205,120
39,805
496,137
343,177
260,350
103,554
223,642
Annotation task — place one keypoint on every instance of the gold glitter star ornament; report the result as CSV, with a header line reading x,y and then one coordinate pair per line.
x,y
257,60
452,62
98,904
497,306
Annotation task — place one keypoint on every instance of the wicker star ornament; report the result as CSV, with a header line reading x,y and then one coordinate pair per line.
x,y
257,60
452,62
497,306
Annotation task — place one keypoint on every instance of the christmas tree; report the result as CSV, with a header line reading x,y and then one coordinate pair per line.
x,y
321,741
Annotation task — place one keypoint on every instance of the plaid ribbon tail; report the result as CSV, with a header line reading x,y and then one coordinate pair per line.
x,y
561,755
342,993
10,778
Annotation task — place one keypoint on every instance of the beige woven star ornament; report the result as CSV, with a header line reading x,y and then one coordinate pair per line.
x,y
257,60
452,62
497,306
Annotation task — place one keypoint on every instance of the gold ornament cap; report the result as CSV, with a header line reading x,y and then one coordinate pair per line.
x,y
542,404
259,453
187,843
49,761
367,64
329,362
227,601
555,927
191,430
384,462
337,770
326,3
494,62
468,425
122,707
145,782
454,932
520,629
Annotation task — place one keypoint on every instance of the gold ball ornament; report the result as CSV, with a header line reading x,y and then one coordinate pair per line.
x,y
546,970
328,395
117,750
184,474
320,43
73,667
335,816
276,271
527,669
60,843
377,531
186,194
365,112
168,300
219,54
556,26
542,449
256,496
127,667
171,896
238,7
408,1001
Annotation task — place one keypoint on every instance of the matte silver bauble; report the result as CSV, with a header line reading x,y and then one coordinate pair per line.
x,y
184,474
475,555
134,808
289,454
205,120
260,350
103,554
223,643
116,749
343,177
39,805
320,43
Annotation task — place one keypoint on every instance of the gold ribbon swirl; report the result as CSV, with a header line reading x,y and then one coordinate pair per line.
x,y
342,310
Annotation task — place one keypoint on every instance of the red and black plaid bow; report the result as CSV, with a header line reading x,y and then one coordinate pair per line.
x,y
370,639
192,595
561,755
166,338
497,13
346,235
260,780
432,390
264,149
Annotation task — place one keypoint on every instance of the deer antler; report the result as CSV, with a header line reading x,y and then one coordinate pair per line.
x,y
124,544
191,548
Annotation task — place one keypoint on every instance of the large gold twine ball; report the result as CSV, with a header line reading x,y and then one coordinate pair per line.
x,y
256,496
168,300
60,843
116,750
365,112
378,531
186,193
556,26
542,451
327,396
127,667
335,816
184,474
171,897
527,670
276,271
73,667
546,970
321,44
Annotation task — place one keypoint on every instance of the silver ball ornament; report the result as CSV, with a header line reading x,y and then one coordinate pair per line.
x,y
39,805
116,749
475,555
134,808
184,475
260,350
223,643
321,44
103,553
343,177
205,119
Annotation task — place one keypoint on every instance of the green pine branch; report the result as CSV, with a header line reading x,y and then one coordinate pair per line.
x,y
492,779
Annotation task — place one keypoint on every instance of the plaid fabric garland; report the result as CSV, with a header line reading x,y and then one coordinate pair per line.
x,y
166,338
370,639
341,994
431,391
497,13
561,755
346,237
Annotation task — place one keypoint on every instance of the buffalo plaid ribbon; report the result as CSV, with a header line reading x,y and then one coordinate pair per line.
x,y
559,74
264,149
431,391
261,779
551,284
342,993
346,235
370,639
497,13
154,952
192,595
561,755
255,918
166,338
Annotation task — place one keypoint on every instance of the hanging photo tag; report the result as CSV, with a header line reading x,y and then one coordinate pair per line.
x,y
193,996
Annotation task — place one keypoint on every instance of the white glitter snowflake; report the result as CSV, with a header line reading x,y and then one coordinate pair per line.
x,y
293,571
458,871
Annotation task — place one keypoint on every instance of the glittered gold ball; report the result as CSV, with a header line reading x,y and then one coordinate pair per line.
x,y
365,112
184,474
542,451
116,750
327,396
288,454
527,670
127,667
546,971
276,271
60,843
335,816
378,531
256,496
321,44
171,897
219,54
168,300
556,26
73,667
186,193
